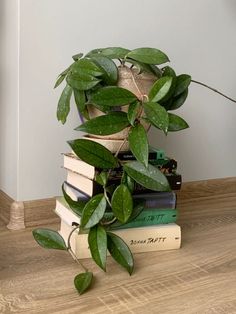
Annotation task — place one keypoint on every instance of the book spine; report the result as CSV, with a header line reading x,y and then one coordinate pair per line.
x,y
139,240
151,218
125,156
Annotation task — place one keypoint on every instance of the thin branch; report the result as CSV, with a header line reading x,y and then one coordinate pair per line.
x,y
214,90
70,250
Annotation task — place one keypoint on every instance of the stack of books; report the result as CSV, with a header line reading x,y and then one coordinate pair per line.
x,y
155,226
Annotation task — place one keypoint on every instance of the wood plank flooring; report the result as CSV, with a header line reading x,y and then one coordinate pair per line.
x,y
200,278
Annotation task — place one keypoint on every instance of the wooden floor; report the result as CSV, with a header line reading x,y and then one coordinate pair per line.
x,y
199,278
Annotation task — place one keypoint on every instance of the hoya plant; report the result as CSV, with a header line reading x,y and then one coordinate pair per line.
x,y
119,93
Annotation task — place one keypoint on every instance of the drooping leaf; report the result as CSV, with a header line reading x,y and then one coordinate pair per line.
x,y
122,203
77,56
108,67
80,99
49,239
120,252
176,123
86,67
83,281
110,123
151,177
115,52
76,206
178,101
157,115
182,83
133,112
138,143
160,88
148,55
128,181
97,240
93,211
63,107
59,80
112,96
93,153
81,81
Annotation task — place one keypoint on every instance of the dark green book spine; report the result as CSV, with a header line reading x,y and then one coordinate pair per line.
x,y
150,218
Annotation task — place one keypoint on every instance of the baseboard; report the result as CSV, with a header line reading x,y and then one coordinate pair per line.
x,y
19,215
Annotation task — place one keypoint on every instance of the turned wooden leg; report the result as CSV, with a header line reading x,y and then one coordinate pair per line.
x,y
17,216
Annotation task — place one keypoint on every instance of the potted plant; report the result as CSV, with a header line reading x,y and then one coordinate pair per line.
x,y
119,94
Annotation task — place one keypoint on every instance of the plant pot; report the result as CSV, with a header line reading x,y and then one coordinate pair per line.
x,y
138,84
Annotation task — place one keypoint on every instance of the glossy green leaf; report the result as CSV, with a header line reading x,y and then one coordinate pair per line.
x,y
76,206
157,115
77,56
182,83
115,52
138,143
168,71
108,67
93,153
178,101
143,67
80,99
176,123
133,112
97,240
151,177
128,181
122,203
120,252
148,55
160,89
86,67
82,81
101,178
93,211
112,96
59,80
110,123
63,107
49,239
83,281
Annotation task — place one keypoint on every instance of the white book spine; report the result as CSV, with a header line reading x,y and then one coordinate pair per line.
x,y
139,240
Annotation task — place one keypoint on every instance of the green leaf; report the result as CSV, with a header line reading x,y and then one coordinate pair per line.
x,y
178,101
148,55
128,181
93,211
93,153
110,123
76,206
133,112
176,123
108,67
157,115
59,80
80,99
86,67
122,203
77,56
82,81
49,239
101,178
112,96
83,281
115,52
120,252
143,67
97,240
168,71
160,88
151,177
182,83
138,143
63,107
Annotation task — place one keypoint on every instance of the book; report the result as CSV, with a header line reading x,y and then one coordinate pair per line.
x,y
147,217
139,240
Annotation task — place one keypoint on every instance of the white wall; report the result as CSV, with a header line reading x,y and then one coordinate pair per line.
x,y
8,96
198,36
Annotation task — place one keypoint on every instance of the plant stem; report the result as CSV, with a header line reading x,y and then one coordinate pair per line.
x,y
71,252
214,90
